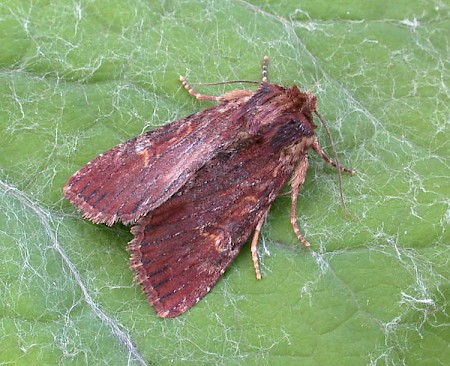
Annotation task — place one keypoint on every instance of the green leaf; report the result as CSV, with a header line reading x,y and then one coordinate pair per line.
x,y
77,78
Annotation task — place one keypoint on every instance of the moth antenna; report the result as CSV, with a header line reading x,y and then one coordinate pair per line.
x,y
336,163
265,63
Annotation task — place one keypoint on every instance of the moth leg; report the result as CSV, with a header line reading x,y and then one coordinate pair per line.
x,y
296,182
254,247
316,147
231,95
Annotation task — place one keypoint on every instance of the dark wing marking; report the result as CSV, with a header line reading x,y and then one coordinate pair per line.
x,y
182,248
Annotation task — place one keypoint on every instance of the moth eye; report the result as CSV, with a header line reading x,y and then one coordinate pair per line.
x,y
299,126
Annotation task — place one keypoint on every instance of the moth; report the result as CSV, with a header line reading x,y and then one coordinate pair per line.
x,y
197,188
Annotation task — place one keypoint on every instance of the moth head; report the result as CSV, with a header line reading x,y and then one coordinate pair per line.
x,y
311,101
303,101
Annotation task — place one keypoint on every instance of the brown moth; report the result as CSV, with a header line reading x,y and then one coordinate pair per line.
x,y
198,187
